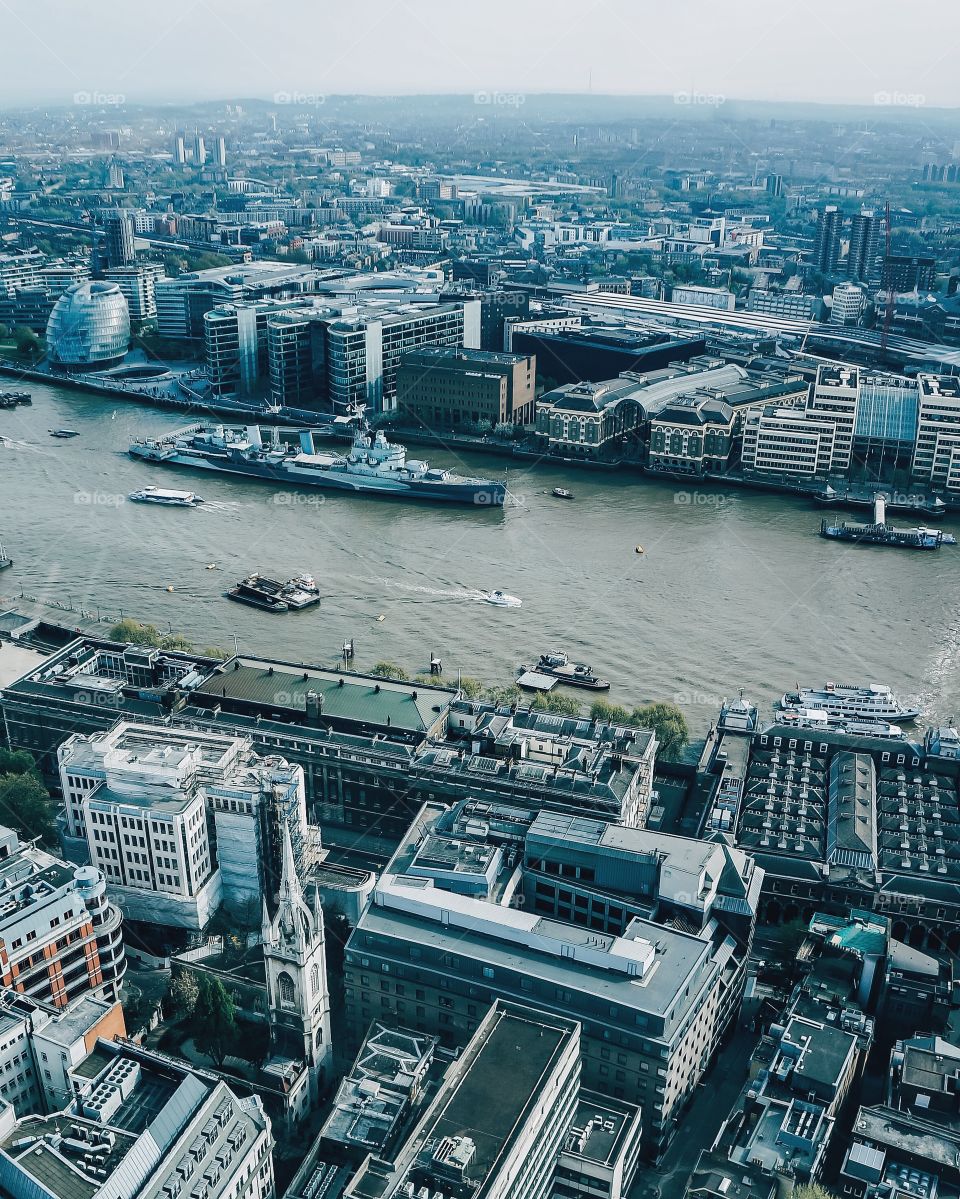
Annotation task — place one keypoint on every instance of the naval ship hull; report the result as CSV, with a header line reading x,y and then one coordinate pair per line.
x,y
480,494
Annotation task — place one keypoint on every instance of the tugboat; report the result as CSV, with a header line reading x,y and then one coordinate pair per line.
x,y
250,591
4,560
562,494
159,495
558,666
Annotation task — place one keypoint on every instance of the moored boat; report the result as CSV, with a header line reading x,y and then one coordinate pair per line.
x,y
562,494
853,701
372,466
576,674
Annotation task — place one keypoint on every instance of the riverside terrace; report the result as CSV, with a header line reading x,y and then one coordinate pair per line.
x,y
840,821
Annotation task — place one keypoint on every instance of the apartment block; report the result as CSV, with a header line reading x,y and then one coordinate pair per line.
x,y
59,936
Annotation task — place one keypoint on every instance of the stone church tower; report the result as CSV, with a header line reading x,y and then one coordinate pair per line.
x,y
295,961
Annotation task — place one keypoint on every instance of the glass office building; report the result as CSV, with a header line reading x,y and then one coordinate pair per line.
x,y
89,328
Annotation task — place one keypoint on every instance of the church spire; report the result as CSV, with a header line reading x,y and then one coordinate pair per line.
x,y
290,889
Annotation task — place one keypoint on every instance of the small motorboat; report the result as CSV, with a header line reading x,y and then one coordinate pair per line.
x,y
638,550
562,494
4,560
64,433
500,599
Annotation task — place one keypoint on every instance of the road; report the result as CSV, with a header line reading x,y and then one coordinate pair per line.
x,y
700,1123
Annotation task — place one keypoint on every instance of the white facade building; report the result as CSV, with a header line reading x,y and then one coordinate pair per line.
x,y
141,804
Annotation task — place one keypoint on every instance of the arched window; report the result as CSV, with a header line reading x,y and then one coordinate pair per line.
x,y
288,992
314,979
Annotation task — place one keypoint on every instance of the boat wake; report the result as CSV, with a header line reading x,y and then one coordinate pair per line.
x,y
461,593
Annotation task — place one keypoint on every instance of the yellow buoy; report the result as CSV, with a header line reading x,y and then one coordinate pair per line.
x,y
639,549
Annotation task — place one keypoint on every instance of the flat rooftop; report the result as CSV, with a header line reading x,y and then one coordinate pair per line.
x,y
17,660
521,1049
274,686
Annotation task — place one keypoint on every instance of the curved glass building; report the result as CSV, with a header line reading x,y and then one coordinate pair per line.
x,y
89,328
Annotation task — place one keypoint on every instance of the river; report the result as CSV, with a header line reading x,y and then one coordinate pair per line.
x,y
734,589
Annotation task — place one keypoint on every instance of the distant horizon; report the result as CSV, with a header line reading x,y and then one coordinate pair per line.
x,y
821,51
696,101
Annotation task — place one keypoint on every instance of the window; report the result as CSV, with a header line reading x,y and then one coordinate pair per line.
x,y
488,972
287,991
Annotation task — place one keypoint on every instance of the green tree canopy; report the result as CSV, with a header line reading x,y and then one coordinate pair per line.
x,y
26,806
215,1020
390,670
560,705
183,994
667,723
602,709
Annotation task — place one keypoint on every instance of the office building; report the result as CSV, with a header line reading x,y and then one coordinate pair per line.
x,y
848,304
826,243
138,286
774,186
118,238
365,348
936,459
439,388
40,1044
640,937
56,277
866,228
704,297
180,822
908,272
595,354
531,761
792,304
140,1126
60,936
89,327
478,1137
19,269
182,301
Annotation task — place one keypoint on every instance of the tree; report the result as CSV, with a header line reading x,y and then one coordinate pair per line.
x,y
503,697
603,710
183,994
214,651
390,670
4,331
560,705
135,633
215,1020
26,341
667,723
26,807
470,687
16,761
812,1190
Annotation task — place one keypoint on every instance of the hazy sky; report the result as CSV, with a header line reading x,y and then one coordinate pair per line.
x,y
830,50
